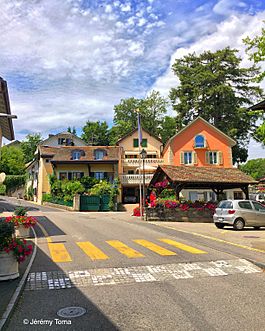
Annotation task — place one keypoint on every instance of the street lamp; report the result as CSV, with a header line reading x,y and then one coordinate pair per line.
x,y
143,154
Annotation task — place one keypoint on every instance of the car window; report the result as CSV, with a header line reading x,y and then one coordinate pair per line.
x,y
258,206
225,204
245,204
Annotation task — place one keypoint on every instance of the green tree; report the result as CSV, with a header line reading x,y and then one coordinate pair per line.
x,y
168,128
152,109
29,146
71,130
215,86
96,133
254,168
256,51
12,161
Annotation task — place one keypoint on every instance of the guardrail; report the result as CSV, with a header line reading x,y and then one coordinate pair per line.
x,y
135,179
135,162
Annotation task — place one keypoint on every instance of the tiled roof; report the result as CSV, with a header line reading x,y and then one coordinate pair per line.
x,y
64,153
186,174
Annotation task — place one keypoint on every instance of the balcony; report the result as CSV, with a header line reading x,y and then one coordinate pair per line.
x,y
135,179
148,162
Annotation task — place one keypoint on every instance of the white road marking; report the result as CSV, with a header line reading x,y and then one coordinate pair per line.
x,y
53,280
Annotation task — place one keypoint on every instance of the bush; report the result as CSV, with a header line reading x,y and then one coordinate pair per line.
x,y
30,193
168,193
71,188
21,211
88,182
46,197
101,188
2,189
14,181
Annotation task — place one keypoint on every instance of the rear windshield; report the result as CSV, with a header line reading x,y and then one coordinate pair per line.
x,y
225,204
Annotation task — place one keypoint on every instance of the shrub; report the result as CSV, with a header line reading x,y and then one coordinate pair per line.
x,y
21,211
71,188
88,182
30,193
14,181
47,197
168,193
2,189
101,188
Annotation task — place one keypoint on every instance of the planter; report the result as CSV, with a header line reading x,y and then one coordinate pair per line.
x,y
8,266
21,231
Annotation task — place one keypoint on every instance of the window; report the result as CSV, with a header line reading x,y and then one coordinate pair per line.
x,y
258,206
76,155
238,195
99,175
99,154
136,142
212,157
245,205
199,141
62,175
61,141
187,157
77,175
47,160
130,172
225,204
151,156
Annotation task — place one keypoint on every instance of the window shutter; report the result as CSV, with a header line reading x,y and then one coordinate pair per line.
x,y
220,158
207,158
195,158
181,157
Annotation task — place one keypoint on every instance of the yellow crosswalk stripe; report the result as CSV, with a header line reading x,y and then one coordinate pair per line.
x,y
58,252
124,249
92,251
155,248
183,247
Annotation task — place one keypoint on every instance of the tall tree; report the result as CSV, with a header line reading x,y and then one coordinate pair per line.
x,y
256,51
12,160
254,168
168,128
215,86
96,133
71,130
152,109
29,146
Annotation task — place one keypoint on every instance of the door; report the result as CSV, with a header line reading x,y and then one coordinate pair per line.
x,y
248,212
260,213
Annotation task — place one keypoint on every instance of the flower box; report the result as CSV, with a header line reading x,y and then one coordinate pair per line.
x,y
8,266
21,231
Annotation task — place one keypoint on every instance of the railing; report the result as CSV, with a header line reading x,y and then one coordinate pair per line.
x,y
135,162
135,179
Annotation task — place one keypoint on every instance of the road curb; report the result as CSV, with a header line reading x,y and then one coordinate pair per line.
x,y
258,264
21,284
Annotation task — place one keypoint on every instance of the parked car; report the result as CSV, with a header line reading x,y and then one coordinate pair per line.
x,y
257,197
130,199
239,213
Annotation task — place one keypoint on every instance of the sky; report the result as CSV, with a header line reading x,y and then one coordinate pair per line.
x,y
70,61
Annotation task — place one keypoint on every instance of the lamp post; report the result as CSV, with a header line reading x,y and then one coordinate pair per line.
x,y
143,154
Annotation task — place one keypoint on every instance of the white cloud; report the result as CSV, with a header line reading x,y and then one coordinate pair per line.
x,y
226,7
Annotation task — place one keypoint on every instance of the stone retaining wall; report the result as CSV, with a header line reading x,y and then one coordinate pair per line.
x,y
177,215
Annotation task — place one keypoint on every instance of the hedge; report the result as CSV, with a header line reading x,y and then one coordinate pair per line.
x,y
14,181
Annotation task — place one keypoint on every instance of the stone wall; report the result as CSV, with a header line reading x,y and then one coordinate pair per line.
x,y
177,215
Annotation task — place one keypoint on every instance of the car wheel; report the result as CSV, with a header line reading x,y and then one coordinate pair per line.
x,y
256,227
219,225
239,224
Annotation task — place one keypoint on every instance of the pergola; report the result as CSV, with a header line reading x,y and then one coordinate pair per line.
x,y
190,177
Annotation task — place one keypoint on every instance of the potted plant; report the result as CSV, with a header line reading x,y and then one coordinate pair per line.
x,y
22,224
12,251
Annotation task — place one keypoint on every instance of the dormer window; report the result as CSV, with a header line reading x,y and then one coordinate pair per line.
x,y
76,155
99,154
199,141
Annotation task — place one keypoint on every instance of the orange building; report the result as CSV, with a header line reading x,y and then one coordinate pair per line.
x,y
200,144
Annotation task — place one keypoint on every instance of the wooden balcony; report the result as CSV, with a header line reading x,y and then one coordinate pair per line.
x,y
135,179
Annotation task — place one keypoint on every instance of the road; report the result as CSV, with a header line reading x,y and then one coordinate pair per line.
x,y
130,275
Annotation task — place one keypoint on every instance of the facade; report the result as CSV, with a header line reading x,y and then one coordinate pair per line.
x,y
63,139
197,145
72,162
132,166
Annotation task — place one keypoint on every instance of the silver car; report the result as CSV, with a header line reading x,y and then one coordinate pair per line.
x,y
239,213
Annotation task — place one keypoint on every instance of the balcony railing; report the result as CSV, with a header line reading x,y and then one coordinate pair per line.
x,y
135,179
148,162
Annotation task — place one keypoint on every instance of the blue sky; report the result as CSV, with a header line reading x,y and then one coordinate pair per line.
x,y
70,61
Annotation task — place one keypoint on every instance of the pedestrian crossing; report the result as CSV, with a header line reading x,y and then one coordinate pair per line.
x,y
59,253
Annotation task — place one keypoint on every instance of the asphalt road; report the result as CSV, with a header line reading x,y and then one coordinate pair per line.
x,y
129,275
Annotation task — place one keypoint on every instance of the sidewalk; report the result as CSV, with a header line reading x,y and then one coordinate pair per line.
x,y
249,239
